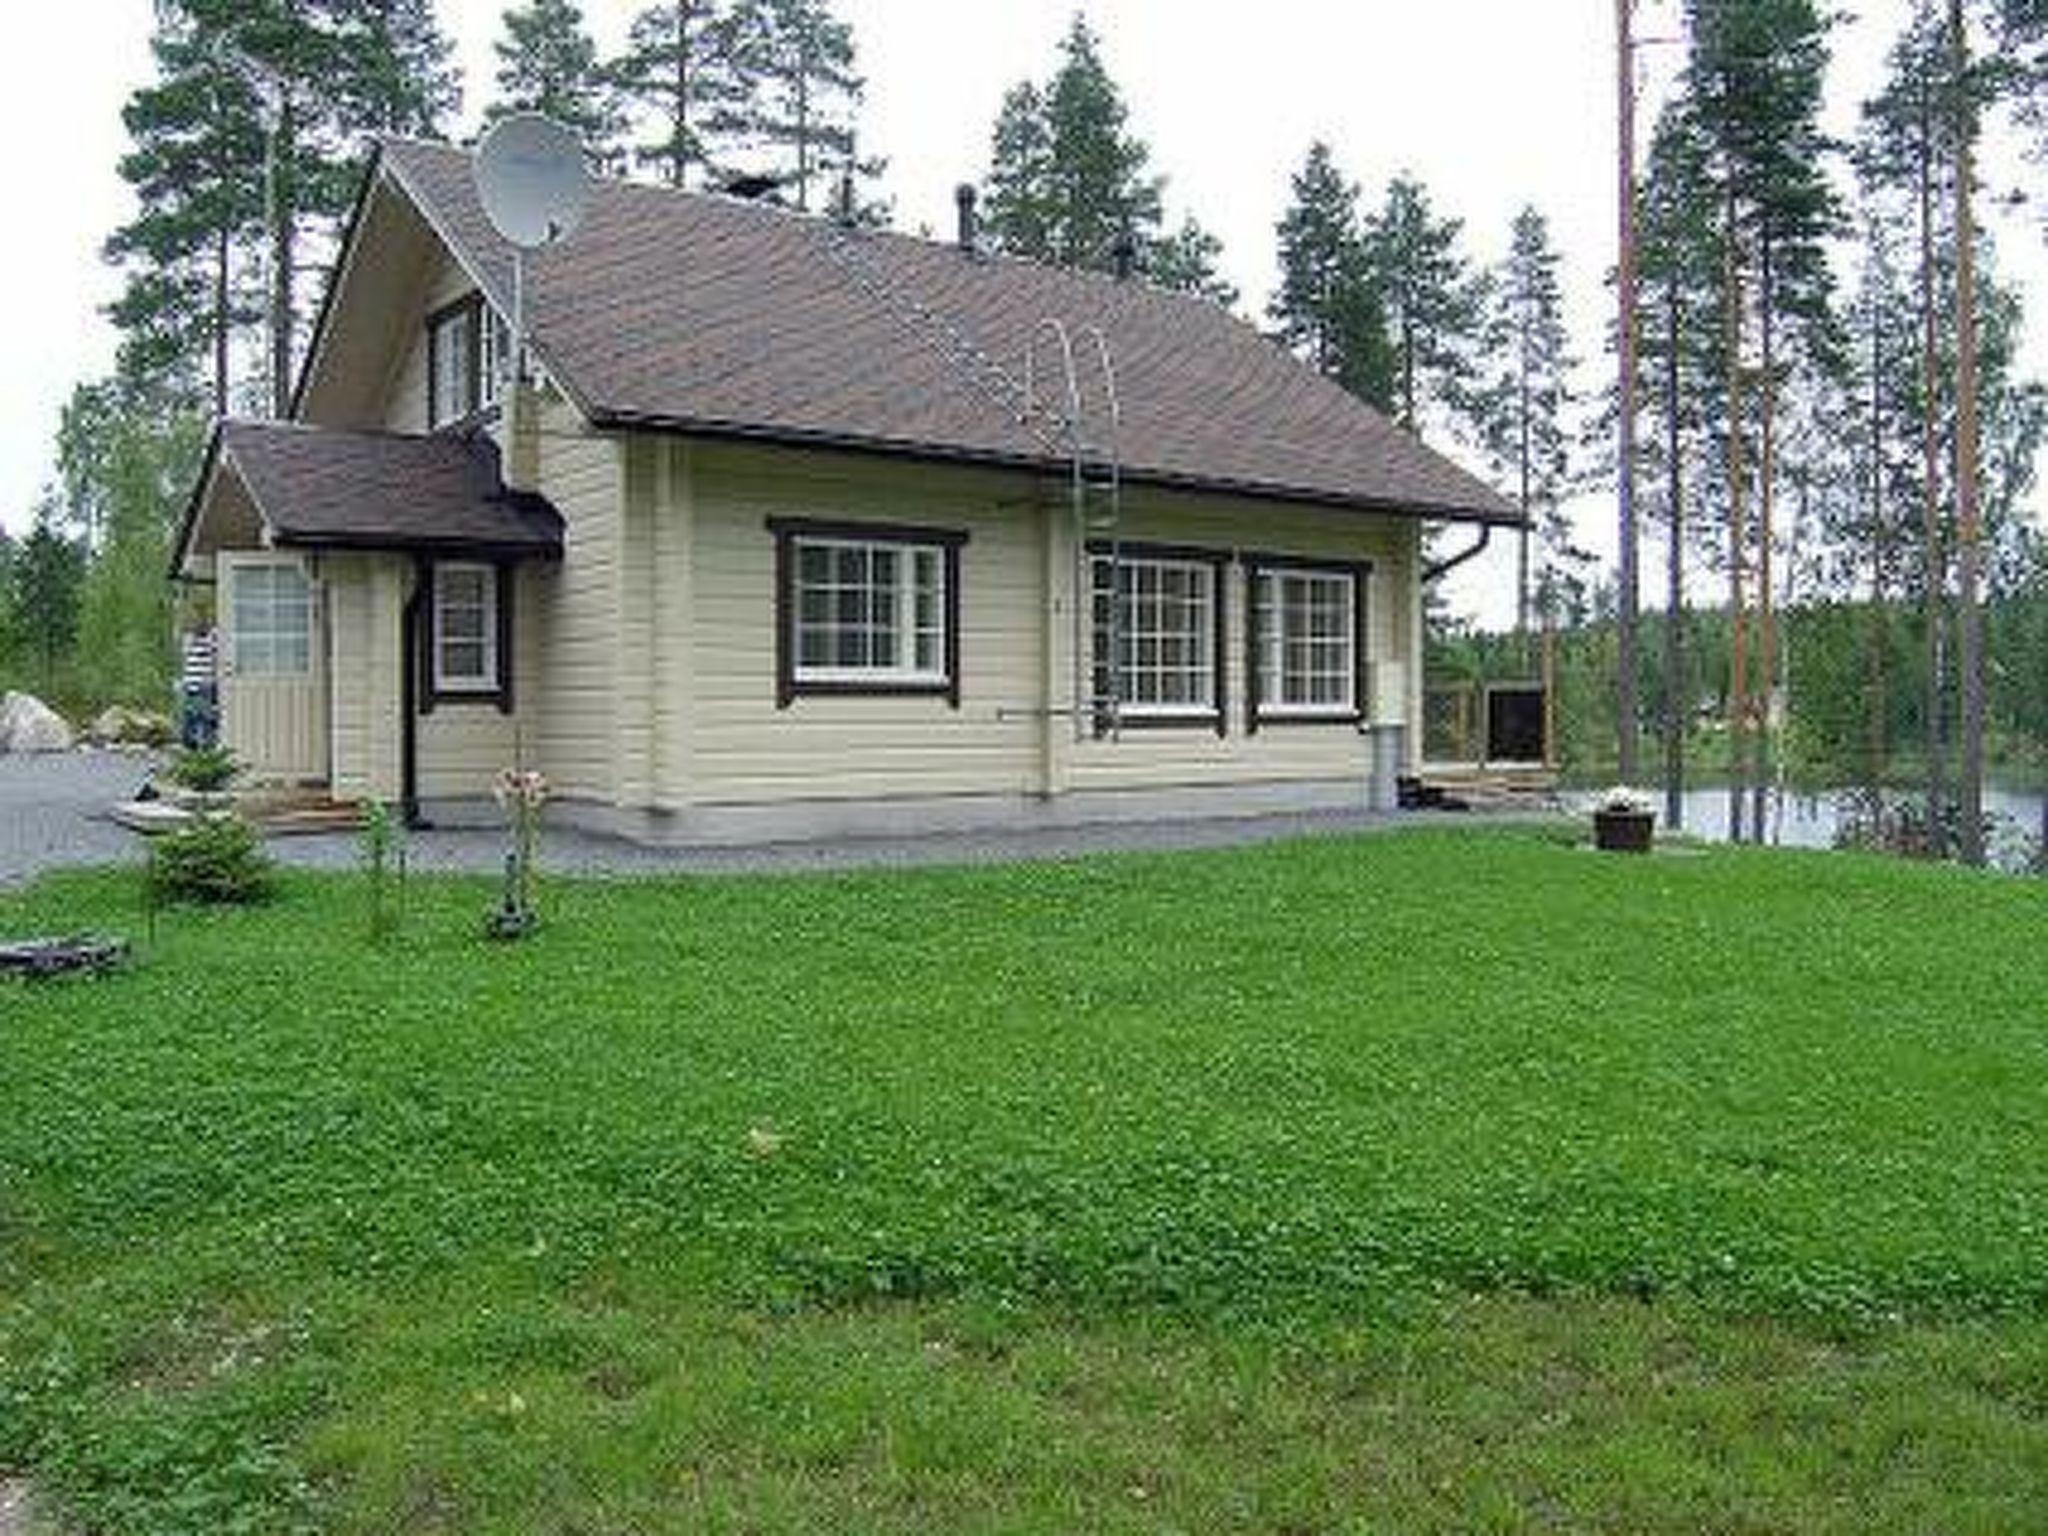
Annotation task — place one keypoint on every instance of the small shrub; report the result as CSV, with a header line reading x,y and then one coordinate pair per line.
x,y
382,848
216,860
206,769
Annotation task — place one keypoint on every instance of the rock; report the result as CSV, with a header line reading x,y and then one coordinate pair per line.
x,y
119,726
27,724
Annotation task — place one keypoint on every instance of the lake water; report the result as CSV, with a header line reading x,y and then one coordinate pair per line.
x,y
1806,818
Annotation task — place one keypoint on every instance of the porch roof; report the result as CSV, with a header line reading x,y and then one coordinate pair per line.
x,y
329,488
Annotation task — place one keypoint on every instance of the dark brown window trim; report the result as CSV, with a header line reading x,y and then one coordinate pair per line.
x,y
787,530
431,696
1258,714
469,310
1216,718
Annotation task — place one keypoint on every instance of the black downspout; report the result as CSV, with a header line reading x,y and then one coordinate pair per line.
x,y
1442,568
408,708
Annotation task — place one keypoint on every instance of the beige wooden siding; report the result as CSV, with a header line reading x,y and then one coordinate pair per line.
x,y
366,599
743,749
463,744
576,608
1195,755
405,391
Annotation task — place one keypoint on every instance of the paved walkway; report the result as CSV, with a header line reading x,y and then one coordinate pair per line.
x,y
53,812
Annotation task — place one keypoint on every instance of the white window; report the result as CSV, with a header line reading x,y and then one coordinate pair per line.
x,y
494,344
273,621
451,366
465,629
1166,640
869,612
1307,627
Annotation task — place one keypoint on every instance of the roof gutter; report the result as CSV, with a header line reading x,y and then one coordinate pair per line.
x,y
1437,569
936,453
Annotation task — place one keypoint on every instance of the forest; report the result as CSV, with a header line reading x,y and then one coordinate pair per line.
x,y
1833,441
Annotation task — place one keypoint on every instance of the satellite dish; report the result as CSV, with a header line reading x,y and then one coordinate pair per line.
x,y
531,179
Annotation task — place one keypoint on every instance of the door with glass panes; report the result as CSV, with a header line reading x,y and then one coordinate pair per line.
x,y
272,704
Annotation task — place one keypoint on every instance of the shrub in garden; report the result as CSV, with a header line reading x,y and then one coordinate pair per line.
x,y
382,849
216,860
206,769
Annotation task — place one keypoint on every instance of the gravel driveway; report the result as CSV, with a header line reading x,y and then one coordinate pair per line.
x,y
53,811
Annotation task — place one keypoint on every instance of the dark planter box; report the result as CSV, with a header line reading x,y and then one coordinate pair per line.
x,y
1623,831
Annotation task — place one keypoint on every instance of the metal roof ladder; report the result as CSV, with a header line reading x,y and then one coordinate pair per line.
x,y
1095,493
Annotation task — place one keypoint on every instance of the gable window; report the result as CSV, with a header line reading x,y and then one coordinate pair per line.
x,y
866,608
465,629
1306,636
1169,635
468,349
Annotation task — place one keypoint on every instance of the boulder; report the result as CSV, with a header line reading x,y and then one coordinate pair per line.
x,y
27,724
119,726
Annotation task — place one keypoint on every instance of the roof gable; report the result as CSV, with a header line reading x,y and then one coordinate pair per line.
x,y
707,314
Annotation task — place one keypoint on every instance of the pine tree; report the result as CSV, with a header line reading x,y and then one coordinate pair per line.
x,y
548,63
803,94
1435,306
681,69
247,148
1753,79
196,169
1678,280
1520,407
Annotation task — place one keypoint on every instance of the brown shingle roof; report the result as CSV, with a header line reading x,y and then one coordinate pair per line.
x,y
325,487
703,313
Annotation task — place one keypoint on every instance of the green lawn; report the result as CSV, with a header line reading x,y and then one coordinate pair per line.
x,y
1442,1180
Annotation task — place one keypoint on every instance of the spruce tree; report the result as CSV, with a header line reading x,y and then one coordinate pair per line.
x,y
1017,204
1520,406
1435,305
1069,183
1185,261
680,68
548,63
41,609
1326,308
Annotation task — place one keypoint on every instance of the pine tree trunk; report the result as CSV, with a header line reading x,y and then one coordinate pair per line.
x,y
282,222
1968,534
1762,741
223,316
1879,640
1625,294
1738,635
1935,560
1522,543
679,130
1676,702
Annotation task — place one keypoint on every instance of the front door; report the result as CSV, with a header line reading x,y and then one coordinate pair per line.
x,y
272,695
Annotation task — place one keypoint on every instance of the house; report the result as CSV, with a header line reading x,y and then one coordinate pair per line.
x,y
770,542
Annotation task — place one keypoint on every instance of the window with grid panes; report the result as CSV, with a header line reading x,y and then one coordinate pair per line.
x,y
1166,640
1307,629
869,611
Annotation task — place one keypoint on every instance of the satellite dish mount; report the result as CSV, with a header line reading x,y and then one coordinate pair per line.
x,y
531,179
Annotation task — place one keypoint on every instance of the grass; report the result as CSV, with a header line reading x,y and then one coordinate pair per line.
x,y
1432,1181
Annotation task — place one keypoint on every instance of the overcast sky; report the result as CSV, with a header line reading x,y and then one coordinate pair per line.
x,y
1492,103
